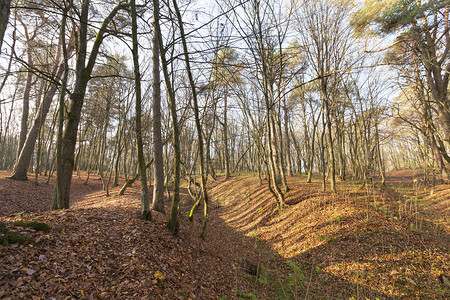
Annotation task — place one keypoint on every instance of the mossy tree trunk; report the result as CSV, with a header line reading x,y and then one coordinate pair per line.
x,y
82,76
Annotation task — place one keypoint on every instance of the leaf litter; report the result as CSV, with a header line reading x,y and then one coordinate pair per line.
x,y
100,249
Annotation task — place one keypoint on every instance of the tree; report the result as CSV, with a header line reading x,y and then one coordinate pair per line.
x,y
82,76
173,223
26,153
422,30
225,75
145,210
158,187
327,41
197,120
4,16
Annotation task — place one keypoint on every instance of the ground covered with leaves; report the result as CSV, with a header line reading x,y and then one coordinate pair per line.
x,y
366,241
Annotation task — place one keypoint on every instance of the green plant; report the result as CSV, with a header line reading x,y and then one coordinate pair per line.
x,y
335,219
183,293
296,277
264,275
381,208
323,237
296,280
244,295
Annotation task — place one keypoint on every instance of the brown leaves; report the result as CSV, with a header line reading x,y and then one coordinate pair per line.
x,y
100,248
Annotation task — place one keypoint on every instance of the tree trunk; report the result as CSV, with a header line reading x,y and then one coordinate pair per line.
x,y
287,139
197,122
58,201
82,77
118,152
158,187
23,162
322,153
326,111
145,209
4,16
226,154
25,105
173,223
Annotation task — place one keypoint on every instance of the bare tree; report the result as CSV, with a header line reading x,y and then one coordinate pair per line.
x,y
82,76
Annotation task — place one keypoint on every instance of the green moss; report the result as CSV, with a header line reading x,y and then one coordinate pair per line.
x,y
39,226
15,238
2,227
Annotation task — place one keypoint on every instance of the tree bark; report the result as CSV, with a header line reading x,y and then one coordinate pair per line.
x,y
197,122
173,223
4,16
58,201
82,77
158,187
326,111
287,141
226,153
25,103
145,209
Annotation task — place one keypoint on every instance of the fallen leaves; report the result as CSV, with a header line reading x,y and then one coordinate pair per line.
x,y
101,249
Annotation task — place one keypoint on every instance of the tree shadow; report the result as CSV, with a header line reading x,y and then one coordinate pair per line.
x,y
359,253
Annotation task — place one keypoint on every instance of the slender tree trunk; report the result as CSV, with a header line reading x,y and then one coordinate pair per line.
x,y
104,138
380,159
58,200
158,187
210,167
13,47
118,152
23,161
25,103
322,154
173,223
226,153
280,152
145,209
40,136
197,122
331,161
287,139
50,142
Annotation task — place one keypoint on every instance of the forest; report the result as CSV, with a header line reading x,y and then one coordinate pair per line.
x,y
224,149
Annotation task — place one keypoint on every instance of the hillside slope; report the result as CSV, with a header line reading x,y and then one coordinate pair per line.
x,y
352,244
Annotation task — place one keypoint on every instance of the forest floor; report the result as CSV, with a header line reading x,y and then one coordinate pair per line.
x,y
365,241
